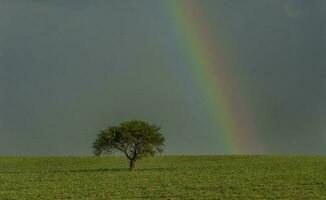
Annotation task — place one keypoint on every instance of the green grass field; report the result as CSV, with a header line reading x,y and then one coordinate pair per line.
x,y
163,177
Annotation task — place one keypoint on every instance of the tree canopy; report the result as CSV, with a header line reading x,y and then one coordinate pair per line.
x,y
135,139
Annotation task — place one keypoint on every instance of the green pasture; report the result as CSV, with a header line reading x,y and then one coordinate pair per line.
x,y
163,177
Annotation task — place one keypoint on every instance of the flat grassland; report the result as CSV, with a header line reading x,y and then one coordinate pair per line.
x,y
163,177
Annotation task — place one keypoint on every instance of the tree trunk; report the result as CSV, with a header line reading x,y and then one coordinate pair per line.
x,y
132,164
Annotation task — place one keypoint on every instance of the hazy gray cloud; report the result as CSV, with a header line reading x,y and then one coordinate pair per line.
x,y
69,68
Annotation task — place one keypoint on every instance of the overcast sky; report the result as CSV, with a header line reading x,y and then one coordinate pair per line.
x,y
71,68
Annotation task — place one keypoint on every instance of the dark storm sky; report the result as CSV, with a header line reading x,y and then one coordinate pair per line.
x,y
70,68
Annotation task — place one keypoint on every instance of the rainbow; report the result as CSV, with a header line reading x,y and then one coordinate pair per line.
x,y
209,66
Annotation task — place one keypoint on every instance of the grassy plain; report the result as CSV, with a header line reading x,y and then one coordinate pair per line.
x,y
163,177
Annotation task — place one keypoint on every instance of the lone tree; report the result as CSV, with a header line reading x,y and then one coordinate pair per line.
x,y
136,139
